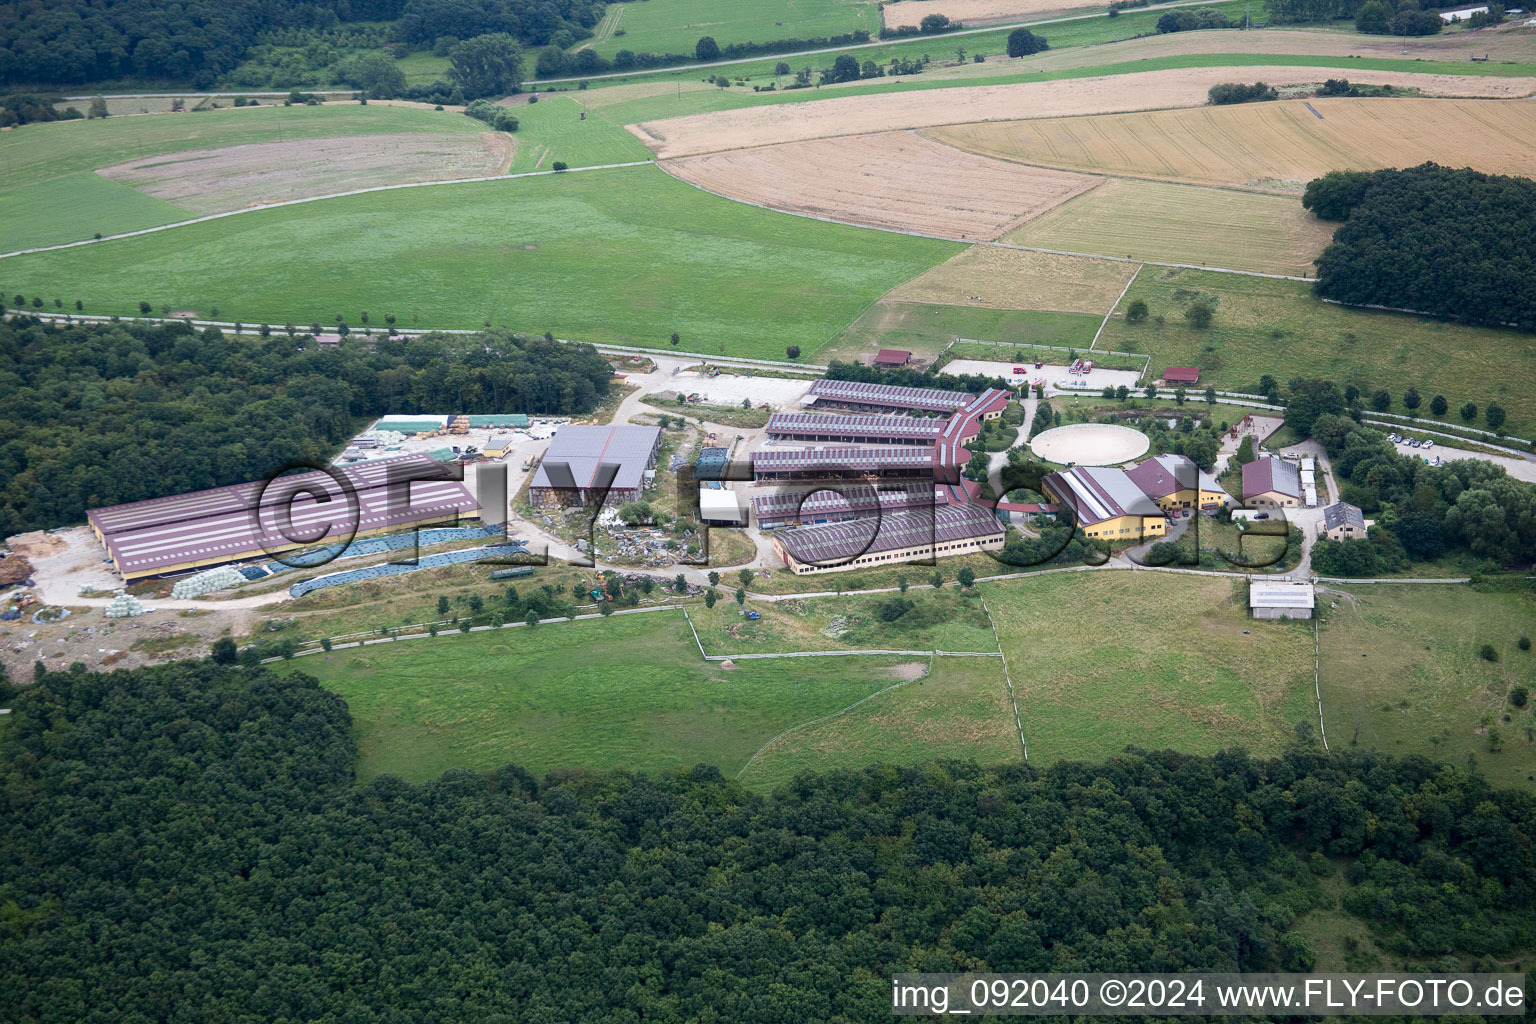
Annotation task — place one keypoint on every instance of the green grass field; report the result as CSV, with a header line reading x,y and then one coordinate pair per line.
x,y
629,692
925,329
674,26
553,129
1105,660
1154,220
625,256
960,710
947,620
50,195
1278,327
1400,673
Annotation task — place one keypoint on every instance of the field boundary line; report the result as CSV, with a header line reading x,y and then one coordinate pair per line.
x,y
1111,312
1317,671
316,199
842,652
824,718
1013,699
961,241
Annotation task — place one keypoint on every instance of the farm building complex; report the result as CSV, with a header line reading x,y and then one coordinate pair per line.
x,y
1271,483
166,536
1126,504
585,463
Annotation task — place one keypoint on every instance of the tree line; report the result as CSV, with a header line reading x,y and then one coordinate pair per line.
x,y
1446,241
101,414
188,841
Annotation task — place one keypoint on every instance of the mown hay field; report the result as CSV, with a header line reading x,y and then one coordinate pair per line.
x,y
973,12
788,119
675,26
925,328
1000,278
234,177
891,180
1151,220
1105,660
1269,145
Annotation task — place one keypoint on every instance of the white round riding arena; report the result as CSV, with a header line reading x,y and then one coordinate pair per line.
x,y
1090,444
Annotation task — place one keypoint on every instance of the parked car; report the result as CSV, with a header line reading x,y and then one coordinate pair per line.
x,y
1418,444
1394,438
1429,444
1262,515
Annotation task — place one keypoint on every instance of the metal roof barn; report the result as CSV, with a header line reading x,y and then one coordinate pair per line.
x,y
890,396
586,448
903,528
854,429
225,524
840,460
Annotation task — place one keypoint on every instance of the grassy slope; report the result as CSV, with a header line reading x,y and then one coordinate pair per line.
x,y
630,692
1105,660
674,26
1277,327
960,710
623,256
552,129
1403,667
925,329
49,194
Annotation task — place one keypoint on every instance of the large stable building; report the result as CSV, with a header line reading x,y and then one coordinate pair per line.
x,y
898,536
573,471
263,519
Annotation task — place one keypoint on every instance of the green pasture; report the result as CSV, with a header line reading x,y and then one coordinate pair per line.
x,y
959,710
1105,660
554,129
926,328
1269,326
628,692
624,256
1401,673
50,193
675,26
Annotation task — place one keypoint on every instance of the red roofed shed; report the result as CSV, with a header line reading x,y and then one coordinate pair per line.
x,y
893,357
1181,375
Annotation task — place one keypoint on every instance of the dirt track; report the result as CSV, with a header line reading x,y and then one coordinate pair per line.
x,y
891,180
1151,90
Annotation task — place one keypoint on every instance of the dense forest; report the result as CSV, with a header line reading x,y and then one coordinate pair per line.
x,y
96,415
1452,242
186,842
58,42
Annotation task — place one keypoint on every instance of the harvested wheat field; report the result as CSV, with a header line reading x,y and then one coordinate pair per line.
x,y
894,180
1208,227
219,180
998,278
1270,145
1108,94
973,12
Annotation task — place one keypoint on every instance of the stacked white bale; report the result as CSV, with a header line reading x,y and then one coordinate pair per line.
x,y
207,582
124,606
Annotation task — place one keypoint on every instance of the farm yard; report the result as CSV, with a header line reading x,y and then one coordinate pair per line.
x,y
1171,223
886,181
234,177
929,107
1277,327
1268,145
577,253
1401,673
974,12
1105,660
675,26
987,275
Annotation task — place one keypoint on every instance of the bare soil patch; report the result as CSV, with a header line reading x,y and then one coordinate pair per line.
x,y
998,278
972,12
1150,90
218,180
1273,146
892,180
